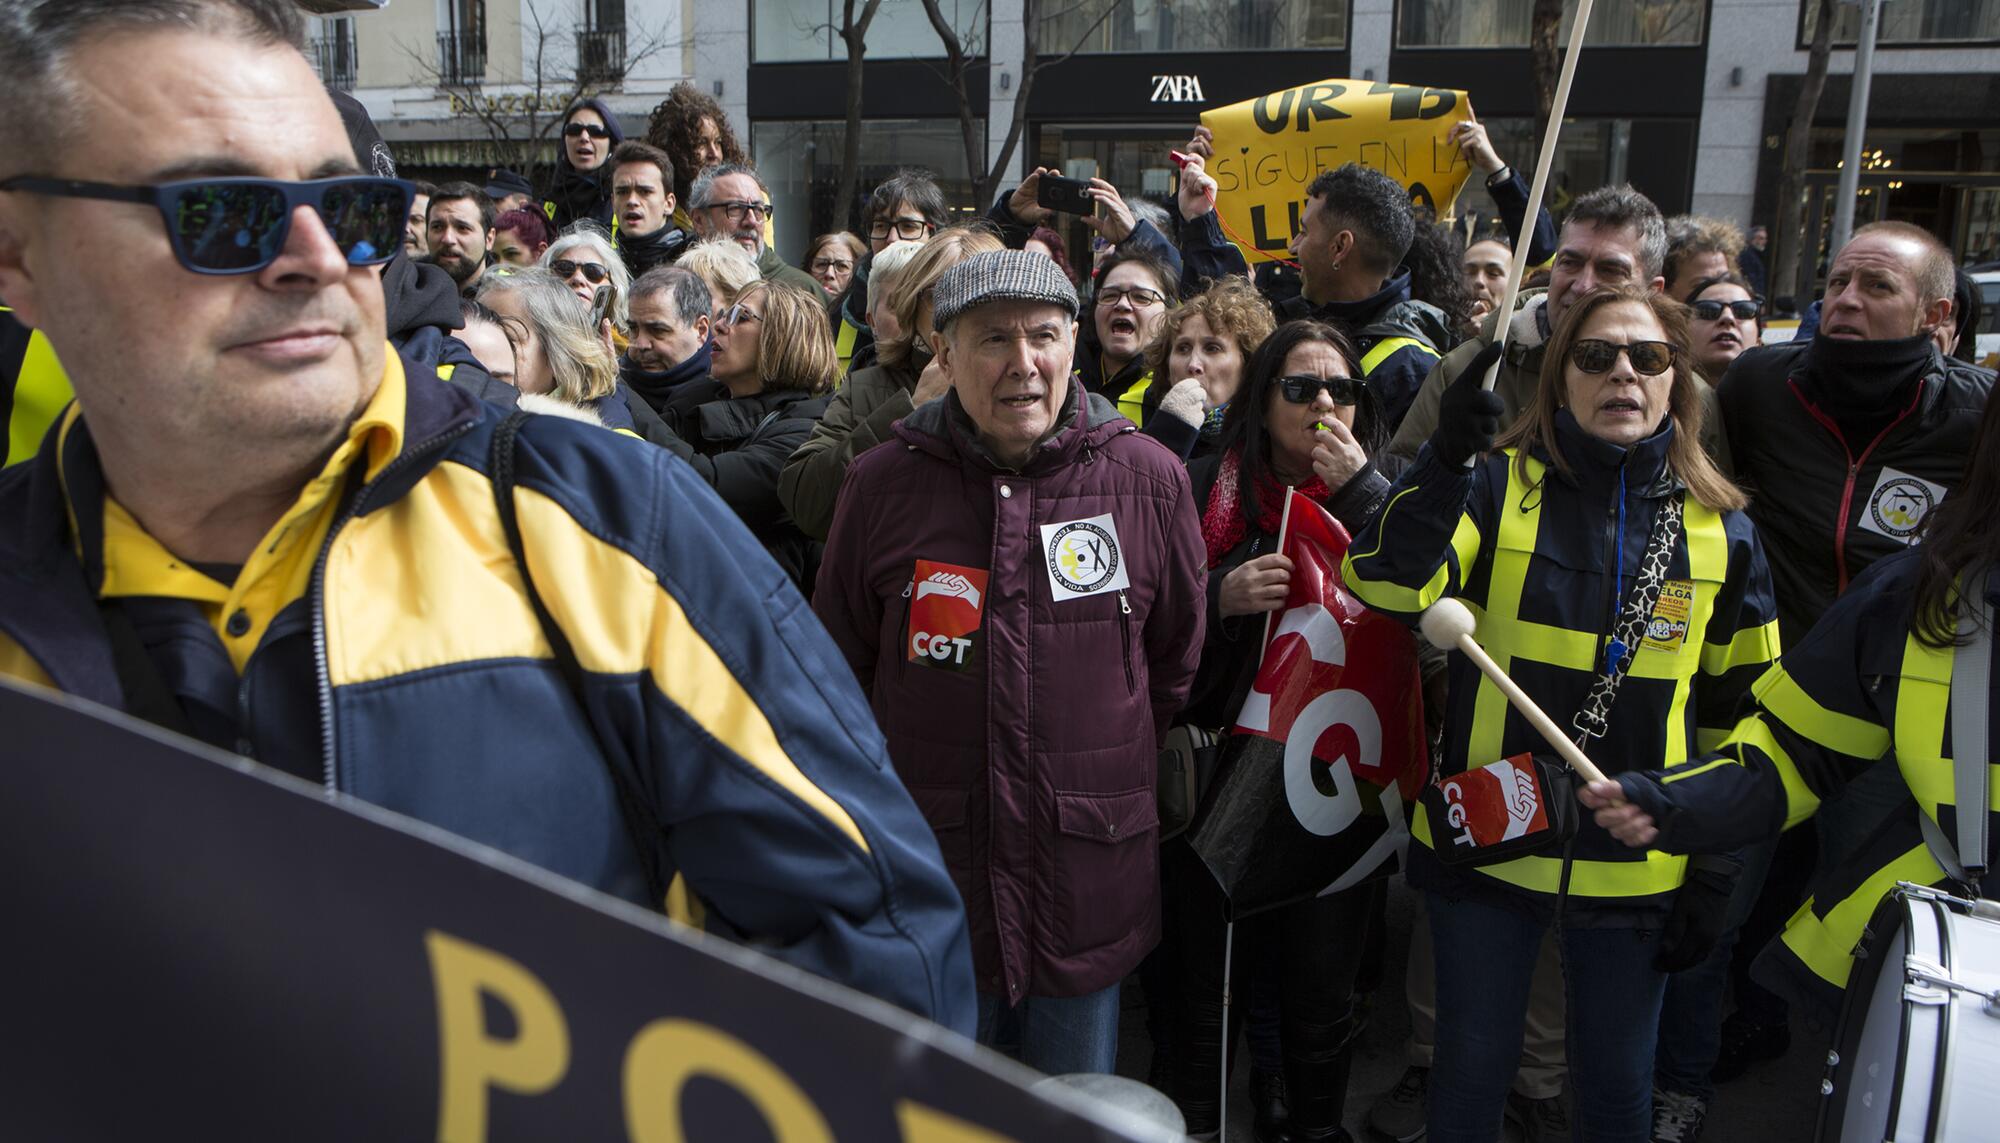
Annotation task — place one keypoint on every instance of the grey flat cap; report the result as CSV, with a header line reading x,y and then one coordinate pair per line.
x,y
1001,276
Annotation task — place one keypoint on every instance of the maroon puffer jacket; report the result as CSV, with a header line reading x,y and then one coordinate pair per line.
x,y
1034,760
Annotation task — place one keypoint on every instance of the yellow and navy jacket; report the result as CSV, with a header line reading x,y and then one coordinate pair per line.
x,y
379,640
1532,556
1399,339
33,388
1859,690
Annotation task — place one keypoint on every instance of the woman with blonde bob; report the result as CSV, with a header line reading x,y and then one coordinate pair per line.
x,y
557,353
1201,350
726,267
1616,579
773,364
882,394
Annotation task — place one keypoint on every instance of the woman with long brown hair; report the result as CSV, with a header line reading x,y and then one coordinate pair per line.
x,y
1617,580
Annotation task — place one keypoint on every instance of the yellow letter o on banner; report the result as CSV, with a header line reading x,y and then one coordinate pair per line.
x,y
666,1054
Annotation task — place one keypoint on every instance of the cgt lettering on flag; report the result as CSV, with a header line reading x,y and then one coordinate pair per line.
x,y
1328,746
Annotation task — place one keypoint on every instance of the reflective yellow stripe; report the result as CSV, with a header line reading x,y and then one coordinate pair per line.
x,y
843,343
1753,733
41,391
662,642
1514,545
1840,733
1386,348
1751,645
1826,944
445,371
1656,873
629,433
1132,403
1386,595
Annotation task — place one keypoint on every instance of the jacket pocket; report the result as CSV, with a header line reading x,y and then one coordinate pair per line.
x,y
944,809
1106,874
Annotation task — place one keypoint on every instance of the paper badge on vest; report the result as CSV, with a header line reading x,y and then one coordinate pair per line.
x,y
947,605
1899,505
1083,558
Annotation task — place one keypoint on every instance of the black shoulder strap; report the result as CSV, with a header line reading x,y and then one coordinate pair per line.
x,y
642,824
147,695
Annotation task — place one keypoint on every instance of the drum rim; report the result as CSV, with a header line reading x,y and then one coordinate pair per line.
x,y
1900,905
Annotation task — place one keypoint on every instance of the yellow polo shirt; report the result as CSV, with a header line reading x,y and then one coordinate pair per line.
x,y
277,572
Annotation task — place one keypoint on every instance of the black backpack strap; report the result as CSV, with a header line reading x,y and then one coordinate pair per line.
x,y
642,824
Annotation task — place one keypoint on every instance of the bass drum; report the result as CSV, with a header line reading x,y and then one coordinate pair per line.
x,y
1918,1053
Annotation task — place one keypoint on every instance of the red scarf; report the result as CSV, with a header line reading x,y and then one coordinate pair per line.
x,y
1222,523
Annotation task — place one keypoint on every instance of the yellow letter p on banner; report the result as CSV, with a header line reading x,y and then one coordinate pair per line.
x,y
1268,149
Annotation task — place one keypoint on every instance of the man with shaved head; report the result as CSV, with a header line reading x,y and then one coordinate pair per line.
x,y
263,531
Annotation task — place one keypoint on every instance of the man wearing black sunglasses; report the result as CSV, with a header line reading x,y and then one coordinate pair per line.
x,y
254,503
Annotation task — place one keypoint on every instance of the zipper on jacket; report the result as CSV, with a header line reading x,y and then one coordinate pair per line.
x,y
1125,629
316,594
1854,464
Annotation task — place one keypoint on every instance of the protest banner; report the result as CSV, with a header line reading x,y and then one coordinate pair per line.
x,y
1268,149
199,947
1309,797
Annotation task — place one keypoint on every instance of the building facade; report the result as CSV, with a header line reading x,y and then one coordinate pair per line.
x,y
1686,99
460,86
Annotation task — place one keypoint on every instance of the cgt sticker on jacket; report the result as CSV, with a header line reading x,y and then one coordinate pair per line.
x,y
1899,504
945,613
1083,558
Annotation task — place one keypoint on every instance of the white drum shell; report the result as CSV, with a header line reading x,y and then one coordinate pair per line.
x,y
1926,1063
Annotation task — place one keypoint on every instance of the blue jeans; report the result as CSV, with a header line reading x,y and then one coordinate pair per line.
x,y
1691,1016
1055,1036
1485,962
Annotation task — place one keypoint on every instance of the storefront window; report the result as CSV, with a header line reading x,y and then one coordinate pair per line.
x,y
800,160
1193,25
1506,23
792,31
1911,22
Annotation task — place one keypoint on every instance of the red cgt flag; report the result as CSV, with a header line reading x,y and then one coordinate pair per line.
x,y
1309,796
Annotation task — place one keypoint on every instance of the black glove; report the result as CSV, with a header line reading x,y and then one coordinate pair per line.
x,y
1700,908
1468,415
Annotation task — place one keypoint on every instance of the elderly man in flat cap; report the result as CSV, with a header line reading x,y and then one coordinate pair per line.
x,y
1018,580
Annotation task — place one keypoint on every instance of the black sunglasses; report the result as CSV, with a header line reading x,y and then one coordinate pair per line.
x,y
593,272
1302,389
594,130
239,225
1651,358
1743,310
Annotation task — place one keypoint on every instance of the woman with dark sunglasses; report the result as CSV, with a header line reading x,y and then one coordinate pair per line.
x,y
1722,323
1302,419
582,187
1618,581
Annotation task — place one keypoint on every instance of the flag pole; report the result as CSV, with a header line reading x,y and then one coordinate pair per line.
x,y
1504,316
1284,529
1228,949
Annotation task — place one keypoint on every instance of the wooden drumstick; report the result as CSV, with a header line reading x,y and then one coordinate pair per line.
x,y
1449,623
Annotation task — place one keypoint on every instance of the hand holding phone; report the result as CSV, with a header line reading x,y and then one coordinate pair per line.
x,y
1071,196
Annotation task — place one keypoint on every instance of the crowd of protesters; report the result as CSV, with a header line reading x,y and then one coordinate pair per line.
x,y
887,574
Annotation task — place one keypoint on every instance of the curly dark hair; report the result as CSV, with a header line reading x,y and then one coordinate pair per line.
x,y
1436,275
672,129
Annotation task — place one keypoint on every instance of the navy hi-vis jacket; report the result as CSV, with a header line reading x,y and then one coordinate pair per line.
x,y
411,673
1860,690
1532,558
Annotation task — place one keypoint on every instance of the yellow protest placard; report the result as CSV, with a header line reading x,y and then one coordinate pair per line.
x,y
1268,149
